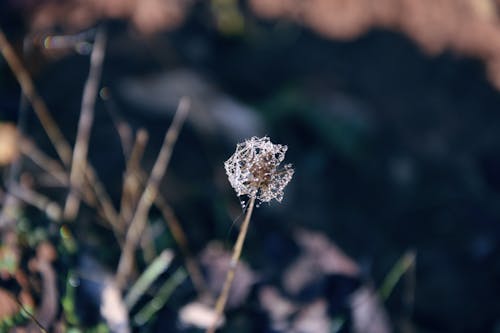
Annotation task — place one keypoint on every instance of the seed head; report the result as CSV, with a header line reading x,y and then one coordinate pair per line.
x,y
253,169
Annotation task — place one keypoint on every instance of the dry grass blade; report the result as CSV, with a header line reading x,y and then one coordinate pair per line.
x,y
51,166
401,267
150,192
55,169
102,196
131,186
123,128
37,200
79,162
62,147
180,238
161,297
155,269
138,179
60,144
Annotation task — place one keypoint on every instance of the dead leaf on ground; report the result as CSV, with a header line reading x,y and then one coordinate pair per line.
x,y
313,318
368,313
215,260
199,315
320,256
278,308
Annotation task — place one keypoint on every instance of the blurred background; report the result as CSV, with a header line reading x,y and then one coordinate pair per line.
x,y
390,111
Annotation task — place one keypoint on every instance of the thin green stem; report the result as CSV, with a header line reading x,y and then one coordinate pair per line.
x,y
238,246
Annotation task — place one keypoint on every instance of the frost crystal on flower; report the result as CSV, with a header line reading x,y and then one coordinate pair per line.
x,y
253,169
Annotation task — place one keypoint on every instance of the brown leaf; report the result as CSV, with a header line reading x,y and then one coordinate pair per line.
x,y
313,318
368,314
199,315
320,257
216,261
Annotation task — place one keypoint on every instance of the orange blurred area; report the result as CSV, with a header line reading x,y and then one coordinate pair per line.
x,y
8,143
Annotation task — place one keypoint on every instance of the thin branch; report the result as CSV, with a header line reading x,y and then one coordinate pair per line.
x,y
79,162
131,187
51,166
180,238
37,200
238,246
138,178
62,147
60,144
123,128
15,167
150,192
103,198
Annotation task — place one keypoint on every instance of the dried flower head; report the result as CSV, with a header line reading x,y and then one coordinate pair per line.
x,y
253,169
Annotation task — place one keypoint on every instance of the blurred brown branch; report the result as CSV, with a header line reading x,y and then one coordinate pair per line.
x,y
79,162
131,186
51,128
150,193
49,125
51,208
134,181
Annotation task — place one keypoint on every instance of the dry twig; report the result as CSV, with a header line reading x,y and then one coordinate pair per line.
x,y
238,246
79,162
150,192
62,147
60,144
51,166
37,200
123,129
131,187
135,178
180,238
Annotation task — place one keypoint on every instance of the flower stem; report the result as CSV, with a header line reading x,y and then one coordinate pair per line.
x,y
238,246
